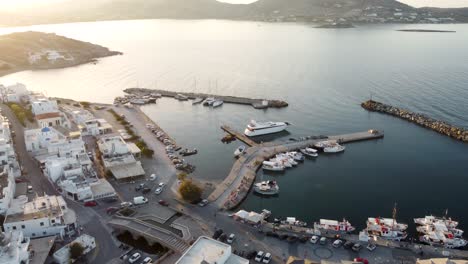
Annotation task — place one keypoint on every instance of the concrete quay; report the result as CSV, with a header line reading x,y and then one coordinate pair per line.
x,y
235,187
256,103
419,119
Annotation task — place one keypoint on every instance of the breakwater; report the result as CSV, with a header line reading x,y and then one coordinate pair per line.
x,y
419,119
256,103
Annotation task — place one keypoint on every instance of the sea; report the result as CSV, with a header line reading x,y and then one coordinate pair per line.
x,y
324,75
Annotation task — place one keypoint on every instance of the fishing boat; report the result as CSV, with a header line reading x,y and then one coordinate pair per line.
x,y
239,151
293,221
181,97
255,128
217,103
310,152
438,234
429,219
285,156
272,166
197,100
266,188
333,225
208,101
334,148
187,152
137,101
296,156
386,222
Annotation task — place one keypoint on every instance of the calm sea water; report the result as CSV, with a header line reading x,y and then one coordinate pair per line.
x,y
324,75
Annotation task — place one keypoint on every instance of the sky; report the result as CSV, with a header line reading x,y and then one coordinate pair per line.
x,y
14,4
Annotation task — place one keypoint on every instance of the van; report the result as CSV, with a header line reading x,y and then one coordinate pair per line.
x,y
139,200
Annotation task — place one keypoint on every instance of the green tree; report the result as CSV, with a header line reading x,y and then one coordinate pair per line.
x,y
182,176
190,191
76,250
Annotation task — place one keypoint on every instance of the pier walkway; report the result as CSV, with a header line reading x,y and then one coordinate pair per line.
x,y
240,136
235,187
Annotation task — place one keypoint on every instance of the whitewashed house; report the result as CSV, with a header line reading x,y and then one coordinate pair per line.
x,y
15,93
47,113
62,256
44,216
14,248
95,127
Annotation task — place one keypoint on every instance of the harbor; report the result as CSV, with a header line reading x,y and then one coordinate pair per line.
x,y
235,187
256,103
418,119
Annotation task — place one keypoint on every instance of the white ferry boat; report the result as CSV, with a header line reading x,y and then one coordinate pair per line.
x,y
333,225
255,128
266,187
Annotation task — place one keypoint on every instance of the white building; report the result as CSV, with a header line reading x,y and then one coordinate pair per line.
x,y
14,248
44,216
14,93
47,113
118,157
95,127
62,256
209,251
43,105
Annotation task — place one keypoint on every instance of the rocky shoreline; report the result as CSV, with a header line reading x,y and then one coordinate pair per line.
x,y
419,119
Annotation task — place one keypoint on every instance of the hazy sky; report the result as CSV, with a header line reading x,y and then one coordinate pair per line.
x,y
12,4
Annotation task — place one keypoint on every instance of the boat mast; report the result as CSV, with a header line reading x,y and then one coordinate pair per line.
x,y
394,215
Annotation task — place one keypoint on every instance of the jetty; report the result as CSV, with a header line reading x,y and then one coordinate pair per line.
x,y
240,136
418,119
235,187
256,103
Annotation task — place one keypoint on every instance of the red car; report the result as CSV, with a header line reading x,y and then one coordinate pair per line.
x,y
361,260
90,203
19,180
164,203
111,210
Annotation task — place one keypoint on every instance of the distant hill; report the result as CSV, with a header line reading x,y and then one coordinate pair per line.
x,y
264,10
37,50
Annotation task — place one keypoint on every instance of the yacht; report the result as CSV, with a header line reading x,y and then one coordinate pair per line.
x,y
310,152
333,148
296,156
333,225
239,151
197,100
217,103
255,128
266,187
272,166
429,219
181,97
208,101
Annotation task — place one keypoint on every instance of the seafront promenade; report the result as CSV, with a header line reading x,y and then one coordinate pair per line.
x,y
235,187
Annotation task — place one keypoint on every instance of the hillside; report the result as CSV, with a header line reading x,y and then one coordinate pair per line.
x,y
367,11
37,50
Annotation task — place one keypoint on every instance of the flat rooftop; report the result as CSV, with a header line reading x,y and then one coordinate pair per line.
x,y
210,251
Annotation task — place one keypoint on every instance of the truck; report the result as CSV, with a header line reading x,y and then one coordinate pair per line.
x,y
139,200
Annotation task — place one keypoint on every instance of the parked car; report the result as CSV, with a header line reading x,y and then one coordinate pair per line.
x,y
158,190
163,203
217,233
337,243
371,247
30,189
147,260
161,184
357,247
203,203
125,204
139,187
314,239
134,258
152,177
267,258
348,244
146,190
259,256
111,210
90,203
323,240
19,180
231,238
361,260
110,199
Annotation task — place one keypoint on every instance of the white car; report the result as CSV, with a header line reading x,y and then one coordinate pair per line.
x,y
158,190
134,258
267,258
371,247
147,260
314,239
152,177
259,256
231,238
161,184
337,243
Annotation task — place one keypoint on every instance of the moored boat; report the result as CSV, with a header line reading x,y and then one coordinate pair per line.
x,y
272,166
334,148
429,219
239,151
266,188
255,128
208,101
181,97
197,100
293,221
310,152
187,152
336,226
295,156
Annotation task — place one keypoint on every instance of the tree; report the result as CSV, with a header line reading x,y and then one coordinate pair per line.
x,y
190,191
182,176
76,250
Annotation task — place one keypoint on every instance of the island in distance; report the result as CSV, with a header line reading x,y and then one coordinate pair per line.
x,y
37,51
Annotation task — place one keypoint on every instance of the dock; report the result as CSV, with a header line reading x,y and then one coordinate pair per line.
x,y
236,186
240,136
256,103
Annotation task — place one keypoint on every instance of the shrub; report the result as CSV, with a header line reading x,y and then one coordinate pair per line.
x,y
85,104
190,191
182,176
146,152
76,250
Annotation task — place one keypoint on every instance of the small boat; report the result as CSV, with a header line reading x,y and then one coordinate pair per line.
x,y
138,101
217,103
187,152
255,128
310,152
335,148
266,188
429,219
181,97
285,156
156,95
228,138
239,151
272,166
197,100
333,225
296,156
293,221
208,101
266,213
